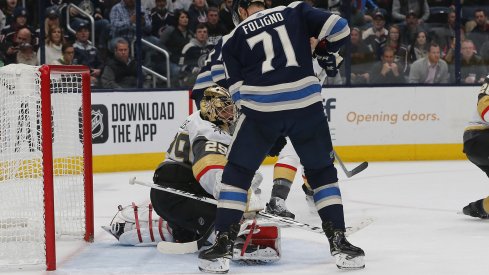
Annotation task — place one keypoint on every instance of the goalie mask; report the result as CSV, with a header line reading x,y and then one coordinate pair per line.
x,y
242,4
218,107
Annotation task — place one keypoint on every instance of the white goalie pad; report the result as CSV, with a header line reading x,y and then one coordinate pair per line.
x,y
139,226
257,242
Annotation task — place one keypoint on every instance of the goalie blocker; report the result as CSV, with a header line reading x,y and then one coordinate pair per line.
x,y
179,219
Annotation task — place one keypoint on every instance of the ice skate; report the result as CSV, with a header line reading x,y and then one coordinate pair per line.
x,y
475,209
277,206
216,258
347,255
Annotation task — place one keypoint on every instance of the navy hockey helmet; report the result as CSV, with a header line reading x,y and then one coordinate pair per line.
x,y
218,107
242,4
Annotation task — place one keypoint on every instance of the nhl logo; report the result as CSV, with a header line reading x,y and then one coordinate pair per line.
x,y
100,123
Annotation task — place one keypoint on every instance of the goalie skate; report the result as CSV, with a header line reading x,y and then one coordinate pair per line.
x,y
255,254
277,206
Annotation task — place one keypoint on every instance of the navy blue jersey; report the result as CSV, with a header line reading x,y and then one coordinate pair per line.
x,y
213,71
278,39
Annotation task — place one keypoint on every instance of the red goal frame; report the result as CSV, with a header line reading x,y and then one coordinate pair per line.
x,y
50,237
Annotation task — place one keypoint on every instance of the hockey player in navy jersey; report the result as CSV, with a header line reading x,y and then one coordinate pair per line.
x,y
476,147
269,70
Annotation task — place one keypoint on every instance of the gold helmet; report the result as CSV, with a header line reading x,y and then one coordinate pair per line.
x,y
217,106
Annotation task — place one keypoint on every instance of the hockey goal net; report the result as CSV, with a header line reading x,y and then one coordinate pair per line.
x,y
45,161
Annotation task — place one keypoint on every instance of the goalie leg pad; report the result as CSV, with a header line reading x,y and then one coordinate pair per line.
x,y
264,244
139,225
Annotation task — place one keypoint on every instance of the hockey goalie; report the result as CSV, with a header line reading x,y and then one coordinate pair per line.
x,y
194,164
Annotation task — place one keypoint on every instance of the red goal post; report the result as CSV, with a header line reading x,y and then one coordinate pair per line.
x,y
46,185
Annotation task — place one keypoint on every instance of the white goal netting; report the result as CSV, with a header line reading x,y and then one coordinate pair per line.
x,y
22,170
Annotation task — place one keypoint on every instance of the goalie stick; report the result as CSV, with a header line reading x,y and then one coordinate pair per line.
x,y
362,166
181,248
192,247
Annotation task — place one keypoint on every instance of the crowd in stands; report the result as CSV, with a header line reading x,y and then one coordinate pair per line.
x,y
413,41
392,41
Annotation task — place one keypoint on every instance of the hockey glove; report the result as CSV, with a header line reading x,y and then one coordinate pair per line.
x,y
330,62
277,147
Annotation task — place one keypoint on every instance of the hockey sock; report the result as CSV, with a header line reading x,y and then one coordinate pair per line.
x,y
281,188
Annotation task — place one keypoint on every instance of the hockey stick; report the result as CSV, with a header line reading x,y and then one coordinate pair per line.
x,y
281,220
192,247
184,248
362,166
322,76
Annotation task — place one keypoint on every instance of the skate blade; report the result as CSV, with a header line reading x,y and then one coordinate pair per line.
x,y
263,255
345,262
217,266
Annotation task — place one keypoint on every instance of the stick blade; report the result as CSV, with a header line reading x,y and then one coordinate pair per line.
x,y
177,248
357,169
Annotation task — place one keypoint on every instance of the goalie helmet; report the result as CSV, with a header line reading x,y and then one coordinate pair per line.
x,y
242,4
218,107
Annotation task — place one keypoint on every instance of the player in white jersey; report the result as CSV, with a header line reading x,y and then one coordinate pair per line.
x,y
194,163
476,147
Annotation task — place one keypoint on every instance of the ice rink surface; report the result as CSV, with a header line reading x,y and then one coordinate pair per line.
x,y
416,229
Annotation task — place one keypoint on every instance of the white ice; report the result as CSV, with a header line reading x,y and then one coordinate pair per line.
x,y
417,227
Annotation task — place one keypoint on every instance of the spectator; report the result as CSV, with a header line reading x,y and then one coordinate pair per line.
x,y
27,54
451,27
86,54
161,18
19,21
23,36
9,11
53,44
52,19
386,71
400,50
401,9
376,36
480,33
96,9
226,16
214,27
194,55
361,11
197,13
419,48
410,29
174,39
123,21
430,69
472,68
181,5
361,58
120,71
68,54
